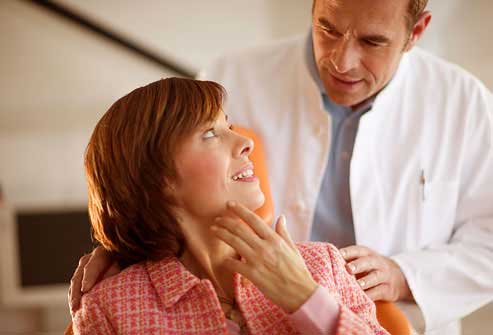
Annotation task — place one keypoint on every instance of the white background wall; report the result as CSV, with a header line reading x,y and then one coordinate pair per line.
x,y
56,79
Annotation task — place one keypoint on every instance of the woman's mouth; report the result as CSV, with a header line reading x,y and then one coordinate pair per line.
x,y
245,175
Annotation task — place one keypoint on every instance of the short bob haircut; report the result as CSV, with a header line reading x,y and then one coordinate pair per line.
x,y
129,163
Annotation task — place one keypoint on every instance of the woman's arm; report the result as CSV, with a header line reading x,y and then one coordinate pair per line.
x,y
273,263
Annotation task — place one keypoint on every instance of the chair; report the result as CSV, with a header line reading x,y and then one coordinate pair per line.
x,y
388,314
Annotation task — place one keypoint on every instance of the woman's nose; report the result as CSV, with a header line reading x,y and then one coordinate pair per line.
x,y
244,146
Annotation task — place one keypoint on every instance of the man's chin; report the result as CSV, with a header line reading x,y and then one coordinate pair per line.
x,y
347,100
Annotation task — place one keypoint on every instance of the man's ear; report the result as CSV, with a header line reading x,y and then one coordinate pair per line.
x,y
418,30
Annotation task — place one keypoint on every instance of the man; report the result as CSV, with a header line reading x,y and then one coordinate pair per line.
x,y
377,147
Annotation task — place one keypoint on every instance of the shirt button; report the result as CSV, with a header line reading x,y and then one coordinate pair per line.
x,y
345,155
320,131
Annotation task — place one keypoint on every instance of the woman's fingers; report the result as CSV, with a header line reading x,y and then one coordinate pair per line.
x,y
238,266
282,231
239,229
253,220
235,242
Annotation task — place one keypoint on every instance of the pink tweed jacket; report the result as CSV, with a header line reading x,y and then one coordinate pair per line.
x,y
165,298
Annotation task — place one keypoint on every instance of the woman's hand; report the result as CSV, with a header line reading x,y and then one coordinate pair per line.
x,y
271,260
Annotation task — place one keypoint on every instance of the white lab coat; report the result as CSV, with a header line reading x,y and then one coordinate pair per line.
x,y
432,119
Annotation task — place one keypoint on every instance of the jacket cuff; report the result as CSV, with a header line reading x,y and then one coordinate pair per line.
x,y
318,315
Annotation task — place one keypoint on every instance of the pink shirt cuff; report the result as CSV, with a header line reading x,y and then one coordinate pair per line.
x,y
318,315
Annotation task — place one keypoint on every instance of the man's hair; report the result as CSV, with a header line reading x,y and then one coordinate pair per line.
x,y
129,165
414,10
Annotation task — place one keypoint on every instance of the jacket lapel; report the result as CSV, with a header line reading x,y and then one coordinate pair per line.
x,y
190,304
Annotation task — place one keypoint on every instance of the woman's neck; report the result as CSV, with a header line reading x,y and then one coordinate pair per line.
x,y
204,256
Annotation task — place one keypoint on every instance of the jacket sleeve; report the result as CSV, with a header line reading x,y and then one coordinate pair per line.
x,y
357,313
463,280
91,319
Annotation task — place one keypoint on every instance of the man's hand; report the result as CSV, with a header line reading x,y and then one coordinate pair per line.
x,y
92,268
380,277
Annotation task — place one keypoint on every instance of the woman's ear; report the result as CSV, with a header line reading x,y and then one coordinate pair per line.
x,y
418,30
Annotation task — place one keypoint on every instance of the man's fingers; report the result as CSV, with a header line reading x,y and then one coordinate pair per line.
x,y
75,290
252,219
113,270
95,268
363,264
372,279
377,293
355,251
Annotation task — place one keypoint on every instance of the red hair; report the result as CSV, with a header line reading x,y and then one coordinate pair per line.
x,y
129,163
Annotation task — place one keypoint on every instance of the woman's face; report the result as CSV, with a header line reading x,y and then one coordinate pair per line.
x,y
213,167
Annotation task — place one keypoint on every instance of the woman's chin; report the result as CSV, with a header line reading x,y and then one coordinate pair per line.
x,y
253,202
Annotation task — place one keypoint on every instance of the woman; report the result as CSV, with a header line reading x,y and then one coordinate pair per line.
x,y
171,195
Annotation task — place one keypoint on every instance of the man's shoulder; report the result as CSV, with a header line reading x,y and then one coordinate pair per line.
x,y
424,65
263,59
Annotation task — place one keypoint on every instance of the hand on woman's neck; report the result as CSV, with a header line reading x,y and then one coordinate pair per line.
x,y
204,256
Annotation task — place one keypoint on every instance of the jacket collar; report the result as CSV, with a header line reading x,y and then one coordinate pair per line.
x,y
170,279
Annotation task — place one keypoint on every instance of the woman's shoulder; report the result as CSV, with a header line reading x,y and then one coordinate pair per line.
x,y
130,280
323,260
318,251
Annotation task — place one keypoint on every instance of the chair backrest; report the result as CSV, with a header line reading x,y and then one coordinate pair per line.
x,y
260,167
388,314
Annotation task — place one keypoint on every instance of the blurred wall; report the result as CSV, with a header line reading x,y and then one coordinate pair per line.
x,y
58,79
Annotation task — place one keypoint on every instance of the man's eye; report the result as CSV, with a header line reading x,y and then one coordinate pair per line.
x,y
329,31
371,43
209,134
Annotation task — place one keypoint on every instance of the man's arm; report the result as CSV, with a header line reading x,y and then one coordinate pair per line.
x,y
451,280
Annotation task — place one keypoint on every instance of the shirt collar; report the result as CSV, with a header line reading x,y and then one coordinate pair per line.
x,y
312,68
310,62
170,279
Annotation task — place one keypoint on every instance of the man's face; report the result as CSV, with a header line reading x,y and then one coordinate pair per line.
x,y
358,45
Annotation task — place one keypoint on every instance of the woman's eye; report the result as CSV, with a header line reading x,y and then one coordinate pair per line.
x,y
209,134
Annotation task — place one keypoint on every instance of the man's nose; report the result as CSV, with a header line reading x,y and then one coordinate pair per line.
x,y
345,56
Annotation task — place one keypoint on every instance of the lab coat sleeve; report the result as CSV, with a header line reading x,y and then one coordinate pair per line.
x,y
451,280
